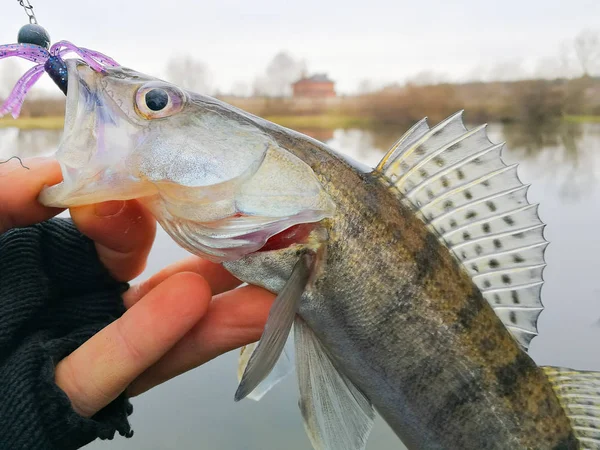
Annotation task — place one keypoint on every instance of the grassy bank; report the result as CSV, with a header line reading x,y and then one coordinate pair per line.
x,y
34,123
582,119
320,121
302,122
525,101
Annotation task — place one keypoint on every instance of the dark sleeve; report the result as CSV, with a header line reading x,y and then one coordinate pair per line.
x,y
54,295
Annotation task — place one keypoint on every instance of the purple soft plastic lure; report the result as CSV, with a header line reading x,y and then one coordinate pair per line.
x,y
49,61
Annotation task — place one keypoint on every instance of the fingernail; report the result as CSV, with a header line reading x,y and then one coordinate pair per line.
x,y
107,209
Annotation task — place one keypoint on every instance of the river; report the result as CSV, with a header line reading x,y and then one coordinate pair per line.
x,y
561,161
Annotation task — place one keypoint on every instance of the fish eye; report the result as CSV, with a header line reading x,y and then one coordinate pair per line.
x,y
156,100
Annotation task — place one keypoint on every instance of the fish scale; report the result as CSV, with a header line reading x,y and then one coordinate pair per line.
x,y
355,309
390,285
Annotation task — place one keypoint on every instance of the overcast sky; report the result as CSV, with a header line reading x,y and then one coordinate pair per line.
x,y
381,40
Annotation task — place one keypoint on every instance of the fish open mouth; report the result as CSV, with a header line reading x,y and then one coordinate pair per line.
x,y
94,146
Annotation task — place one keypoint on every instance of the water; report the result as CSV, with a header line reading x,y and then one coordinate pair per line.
x,y
196,410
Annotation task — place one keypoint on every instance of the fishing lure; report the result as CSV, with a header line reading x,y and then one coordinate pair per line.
x,y
33,44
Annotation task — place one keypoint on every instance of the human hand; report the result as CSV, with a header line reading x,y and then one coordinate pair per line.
x,y
172,323
123,231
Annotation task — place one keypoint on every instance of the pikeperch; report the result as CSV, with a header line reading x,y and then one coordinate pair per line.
x,y
414,288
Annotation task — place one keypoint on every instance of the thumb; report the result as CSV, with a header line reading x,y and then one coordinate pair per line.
x,y
20,186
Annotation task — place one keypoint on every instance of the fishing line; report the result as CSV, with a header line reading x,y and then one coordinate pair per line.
x,y
18,159
28,7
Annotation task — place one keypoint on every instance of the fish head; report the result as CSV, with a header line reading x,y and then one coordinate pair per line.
x,y
214,179
125,131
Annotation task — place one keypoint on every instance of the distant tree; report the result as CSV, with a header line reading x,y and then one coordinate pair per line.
x,y
189,73
509,70
548,68
366,86
240,89
566,59
427,78
279,75
476,74
587,49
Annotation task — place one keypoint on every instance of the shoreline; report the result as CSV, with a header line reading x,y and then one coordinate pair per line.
x,y
316,122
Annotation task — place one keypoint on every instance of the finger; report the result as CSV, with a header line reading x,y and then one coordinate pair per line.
x,y
19,189
102,368
123,232
234,319
219,279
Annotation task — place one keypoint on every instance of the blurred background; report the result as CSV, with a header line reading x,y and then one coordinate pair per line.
x,y
356,75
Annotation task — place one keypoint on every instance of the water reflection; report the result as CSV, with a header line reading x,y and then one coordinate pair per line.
x,y
560,160
536,137
365,146
27,143
319,134
568,152
564,149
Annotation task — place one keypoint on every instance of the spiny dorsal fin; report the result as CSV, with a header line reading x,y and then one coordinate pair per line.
x,y
579,394
460,187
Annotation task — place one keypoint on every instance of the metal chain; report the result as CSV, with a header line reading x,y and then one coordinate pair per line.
x,y
28,10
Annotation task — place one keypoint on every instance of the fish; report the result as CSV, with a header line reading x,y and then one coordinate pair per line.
x,y
410,290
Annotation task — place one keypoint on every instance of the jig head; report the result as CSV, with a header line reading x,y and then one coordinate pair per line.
x,y
50,61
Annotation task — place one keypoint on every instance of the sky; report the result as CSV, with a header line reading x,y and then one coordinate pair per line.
x,y
384,41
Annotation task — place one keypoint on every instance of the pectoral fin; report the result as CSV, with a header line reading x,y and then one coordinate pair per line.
x,y
337,415
277,329
283,367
